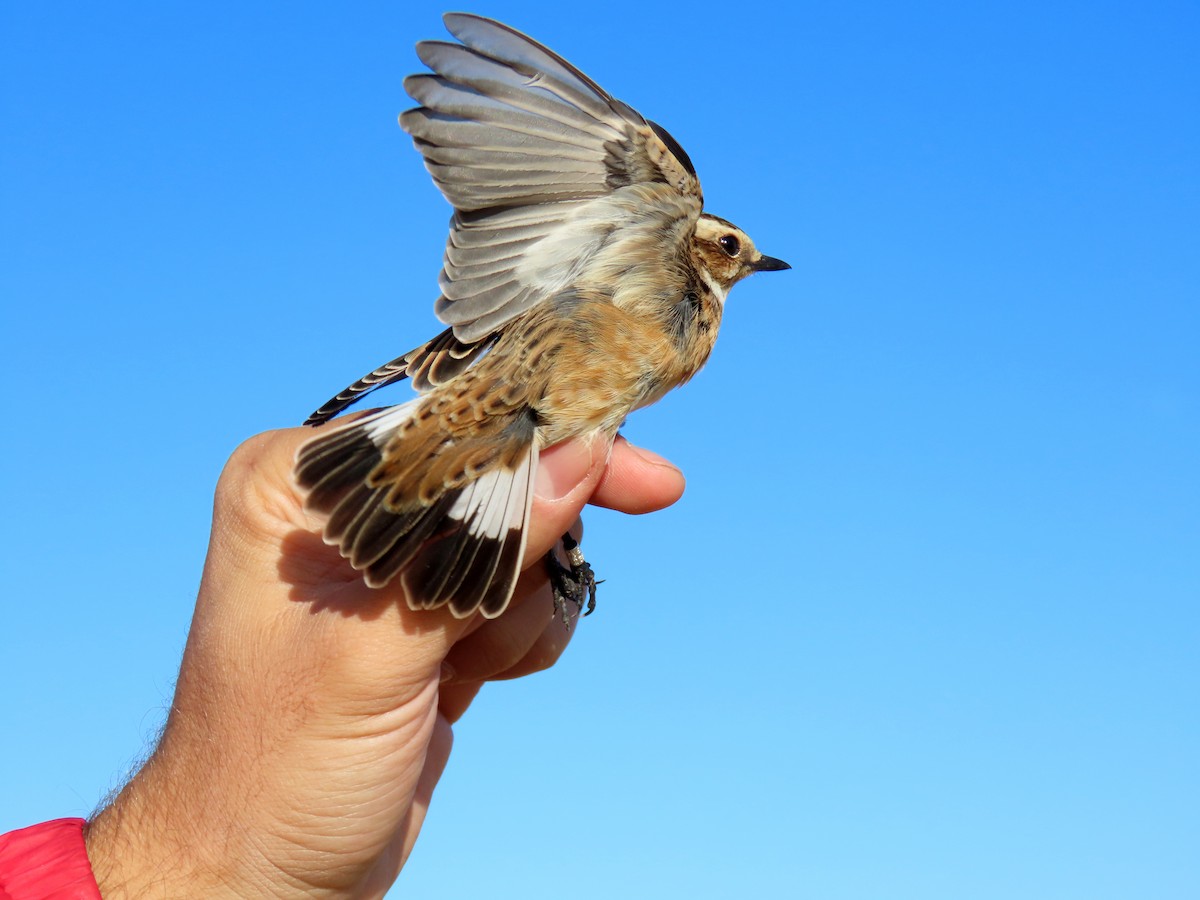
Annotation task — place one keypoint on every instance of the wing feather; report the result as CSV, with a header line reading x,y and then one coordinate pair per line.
x,y
465,102
509,164
528,149
434,362
527,57
496,79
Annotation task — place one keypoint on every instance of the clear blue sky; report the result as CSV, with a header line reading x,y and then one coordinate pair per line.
x,y
925,623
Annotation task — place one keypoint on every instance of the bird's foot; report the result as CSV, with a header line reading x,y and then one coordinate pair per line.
x,y
575,583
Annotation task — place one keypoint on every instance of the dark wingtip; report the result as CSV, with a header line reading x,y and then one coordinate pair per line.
x,y
329,409
673,146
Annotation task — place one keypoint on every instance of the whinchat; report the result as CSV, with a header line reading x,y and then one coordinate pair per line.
x,y
581,281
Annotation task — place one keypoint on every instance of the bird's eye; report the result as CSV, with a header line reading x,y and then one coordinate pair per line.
x,y
729,244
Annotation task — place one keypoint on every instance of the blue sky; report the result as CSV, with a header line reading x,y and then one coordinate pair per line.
x,y
925,623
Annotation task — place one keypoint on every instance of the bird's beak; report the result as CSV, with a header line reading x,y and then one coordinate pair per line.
x,y
768,264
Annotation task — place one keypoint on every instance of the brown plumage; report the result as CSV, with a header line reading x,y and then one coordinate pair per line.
x,y
581,281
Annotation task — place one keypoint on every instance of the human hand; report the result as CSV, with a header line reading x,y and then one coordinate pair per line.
x,y
312,715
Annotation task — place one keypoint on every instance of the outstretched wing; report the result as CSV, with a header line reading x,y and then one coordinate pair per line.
x,y
529,149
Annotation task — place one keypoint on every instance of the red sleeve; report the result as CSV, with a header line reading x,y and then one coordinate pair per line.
x,y
46,862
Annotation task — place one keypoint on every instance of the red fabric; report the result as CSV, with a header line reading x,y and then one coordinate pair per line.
x,y
46,862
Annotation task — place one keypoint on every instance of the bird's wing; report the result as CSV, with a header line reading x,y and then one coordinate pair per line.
x,y
433,363
528,148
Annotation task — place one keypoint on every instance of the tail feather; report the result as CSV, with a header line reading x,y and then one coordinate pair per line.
x,y
442,563
376,530
342,458
393,560
499,592
508,560
480,557
348,509
460,547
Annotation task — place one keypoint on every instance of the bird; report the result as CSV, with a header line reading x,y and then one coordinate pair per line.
x,y
582,280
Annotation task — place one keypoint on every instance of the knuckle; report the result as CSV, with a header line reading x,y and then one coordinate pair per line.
x,y
255,491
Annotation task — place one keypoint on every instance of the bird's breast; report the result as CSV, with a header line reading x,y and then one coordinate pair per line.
x,y
588,363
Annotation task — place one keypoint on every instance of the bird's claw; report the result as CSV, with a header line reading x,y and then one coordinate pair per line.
x,y
575,583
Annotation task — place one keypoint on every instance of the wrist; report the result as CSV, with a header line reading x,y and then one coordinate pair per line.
x,y
145,843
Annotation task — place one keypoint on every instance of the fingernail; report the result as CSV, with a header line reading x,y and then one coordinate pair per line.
x,y
561,468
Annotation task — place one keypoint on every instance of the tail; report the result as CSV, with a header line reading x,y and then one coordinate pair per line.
x,y
433,363
445,514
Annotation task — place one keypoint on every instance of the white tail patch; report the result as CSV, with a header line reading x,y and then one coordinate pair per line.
x,y
463,550
380,425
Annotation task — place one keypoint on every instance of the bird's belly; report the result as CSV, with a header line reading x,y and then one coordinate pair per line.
x,y
587,398
613,367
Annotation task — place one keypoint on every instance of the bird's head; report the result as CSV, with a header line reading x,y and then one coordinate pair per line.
x,y
728,253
